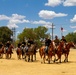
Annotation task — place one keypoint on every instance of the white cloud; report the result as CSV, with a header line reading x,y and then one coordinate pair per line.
x,y
74,31
69,3
41,22
64,30
4,17
49,26
14,20
72,26
73,19
50,14
53,3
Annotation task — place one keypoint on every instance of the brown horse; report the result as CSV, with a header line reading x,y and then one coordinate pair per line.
x,y
19,53
43,54
51,52
67,50
1,51
9,51
31,51
59,51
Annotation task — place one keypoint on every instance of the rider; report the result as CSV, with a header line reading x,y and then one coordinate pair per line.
x,y
47,43
64,40
19,45
56,41
1,45
29,43
23,44
7,45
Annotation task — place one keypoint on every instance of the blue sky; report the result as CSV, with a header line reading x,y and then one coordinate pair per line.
x,y
34,13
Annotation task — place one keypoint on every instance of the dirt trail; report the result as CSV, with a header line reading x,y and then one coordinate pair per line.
x,y
14,66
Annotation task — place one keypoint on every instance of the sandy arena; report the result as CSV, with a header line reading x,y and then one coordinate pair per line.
x,y
14,66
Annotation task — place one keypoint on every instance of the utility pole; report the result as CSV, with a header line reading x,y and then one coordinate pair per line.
x,y
52,30
14,35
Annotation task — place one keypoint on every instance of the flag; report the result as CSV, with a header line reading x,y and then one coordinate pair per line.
x,y
61,28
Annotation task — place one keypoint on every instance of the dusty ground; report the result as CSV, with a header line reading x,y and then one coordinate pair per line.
x,y
14,66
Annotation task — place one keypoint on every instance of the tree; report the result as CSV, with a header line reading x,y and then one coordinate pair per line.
x,y
41,32
71,37
35,33
5,34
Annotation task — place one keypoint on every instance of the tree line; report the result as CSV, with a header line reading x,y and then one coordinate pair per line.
x,y
37,34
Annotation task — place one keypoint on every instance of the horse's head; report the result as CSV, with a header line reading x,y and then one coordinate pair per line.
x,y
61,44
71,44
11,46
51,46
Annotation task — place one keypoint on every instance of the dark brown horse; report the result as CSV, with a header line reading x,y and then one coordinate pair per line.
x,y
67,50
1,51
61,50
19,53
30,53
9,51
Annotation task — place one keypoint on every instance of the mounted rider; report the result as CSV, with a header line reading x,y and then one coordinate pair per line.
x,y
19,45
47,44
56,41
7,45
29,43
1,44
64,41
23,44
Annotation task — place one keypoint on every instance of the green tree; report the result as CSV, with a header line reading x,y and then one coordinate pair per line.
x,y
5,34
71,37
35,33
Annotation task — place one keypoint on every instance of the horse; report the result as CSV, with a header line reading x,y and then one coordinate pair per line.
x,y
49,54
19,53
31,51
2,51
9,51
42,54
67,50
59,51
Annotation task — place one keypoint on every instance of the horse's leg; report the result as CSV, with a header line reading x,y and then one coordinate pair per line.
x,y
10,55
35,56
44,58
65,58
54,58
60,59
49,59
6,55
41,58
32,58
2,55
25,56
28,58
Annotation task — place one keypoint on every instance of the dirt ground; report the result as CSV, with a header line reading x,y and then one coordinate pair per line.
x,y
14,66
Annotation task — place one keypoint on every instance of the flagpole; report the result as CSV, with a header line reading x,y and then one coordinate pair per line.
x,y
61,31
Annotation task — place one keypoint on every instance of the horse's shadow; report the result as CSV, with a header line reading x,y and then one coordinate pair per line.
x,y
69,62
10,58
65,62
